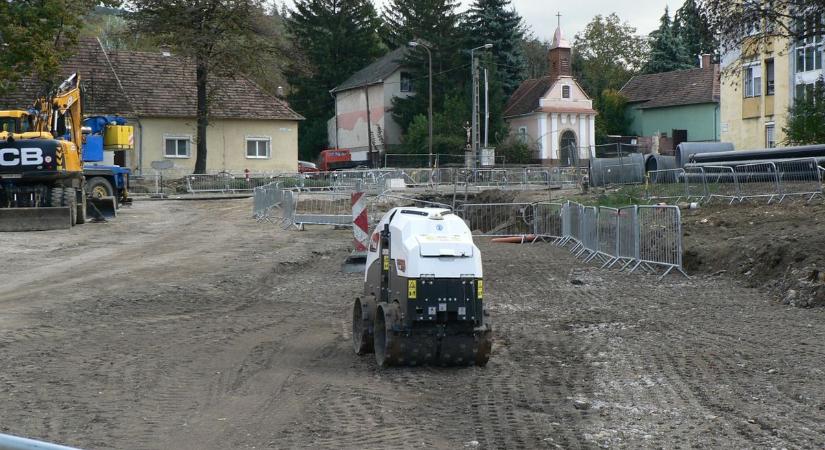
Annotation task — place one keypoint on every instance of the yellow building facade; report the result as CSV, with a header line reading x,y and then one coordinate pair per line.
x,y
761,82
755,96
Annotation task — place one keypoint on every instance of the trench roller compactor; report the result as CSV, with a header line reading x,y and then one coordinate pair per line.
x,y
423,300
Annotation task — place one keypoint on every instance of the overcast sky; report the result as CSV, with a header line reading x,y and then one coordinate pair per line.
x,y
540,15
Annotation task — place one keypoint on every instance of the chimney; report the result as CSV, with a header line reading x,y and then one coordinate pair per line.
x,y
705,61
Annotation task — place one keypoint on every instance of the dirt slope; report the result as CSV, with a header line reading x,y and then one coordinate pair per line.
x,y
777,247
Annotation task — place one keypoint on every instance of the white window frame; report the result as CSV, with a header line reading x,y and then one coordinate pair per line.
x,y
267,139
187,138
770,135
809,50
752,79
405,82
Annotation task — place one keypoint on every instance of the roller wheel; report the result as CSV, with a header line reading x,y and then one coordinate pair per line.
x,y
387,351
484,345
362,338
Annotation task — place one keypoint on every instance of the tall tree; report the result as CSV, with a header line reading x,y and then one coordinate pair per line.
x,y
497,22
336,38
806,118
436,23
692,27
219,35
35,34
667,51
743,26
535,55
607,54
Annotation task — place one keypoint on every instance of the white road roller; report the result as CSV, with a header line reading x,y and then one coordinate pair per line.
x,y
423,299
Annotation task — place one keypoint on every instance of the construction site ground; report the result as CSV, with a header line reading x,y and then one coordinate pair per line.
x,y
189,325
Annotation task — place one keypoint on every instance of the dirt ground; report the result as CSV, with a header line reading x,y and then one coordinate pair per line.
x,y
188,325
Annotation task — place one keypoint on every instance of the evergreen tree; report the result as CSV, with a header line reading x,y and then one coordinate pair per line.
x,y
667,51
335,39
435,23
497,22
806,119
692,27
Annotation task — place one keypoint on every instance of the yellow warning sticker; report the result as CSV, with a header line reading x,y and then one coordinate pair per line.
x,y
386,262
480,284
411,289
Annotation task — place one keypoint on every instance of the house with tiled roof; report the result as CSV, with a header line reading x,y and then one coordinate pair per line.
x,y
363,104
156,92
553,113
682,105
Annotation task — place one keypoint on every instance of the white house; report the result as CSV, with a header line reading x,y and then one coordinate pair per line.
x,y
364,102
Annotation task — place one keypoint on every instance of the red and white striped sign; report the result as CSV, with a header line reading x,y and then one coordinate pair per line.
x,y
360,223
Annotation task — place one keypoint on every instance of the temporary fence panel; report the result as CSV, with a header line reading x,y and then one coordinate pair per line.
x,y
666,185
799,177
607,235
721,182
589,232
320,208
627,236
660,238
225,182
695,186
757,180
498,219
378,205
548,220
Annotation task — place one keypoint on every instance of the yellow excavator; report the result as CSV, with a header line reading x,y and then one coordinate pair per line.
x,y
42,185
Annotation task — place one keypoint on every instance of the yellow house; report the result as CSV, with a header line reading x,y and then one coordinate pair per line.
x,y
248,128
760,82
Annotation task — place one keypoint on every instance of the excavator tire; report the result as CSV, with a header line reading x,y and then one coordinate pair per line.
x,y
81,208
70,200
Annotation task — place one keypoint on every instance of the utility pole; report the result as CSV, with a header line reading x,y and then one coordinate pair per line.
x,y
486,108
476,138
475,110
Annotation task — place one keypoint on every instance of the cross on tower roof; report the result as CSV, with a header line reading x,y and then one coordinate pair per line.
x,y
558,15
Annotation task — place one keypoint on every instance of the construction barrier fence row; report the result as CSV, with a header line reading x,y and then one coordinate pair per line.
x,y
369,180
771,180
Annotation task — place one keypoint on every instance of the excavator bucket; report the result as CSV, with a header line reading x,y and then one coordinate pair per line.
x,y
35,219
101,208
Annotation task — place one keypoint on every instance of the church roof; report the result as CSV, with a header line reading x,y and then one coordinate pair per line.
x,y
525,99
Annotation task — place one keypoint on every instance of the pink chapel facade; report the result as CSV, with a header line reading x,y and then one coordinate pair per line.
x,y
553,113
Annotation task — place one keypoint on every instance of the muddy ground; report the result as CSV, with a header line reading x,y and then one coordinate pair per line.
x,y
189,325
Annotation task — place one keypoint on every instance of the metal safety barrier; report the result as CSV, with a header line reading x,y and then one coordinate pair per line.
x,y
8,442
774,180
647,238
498,219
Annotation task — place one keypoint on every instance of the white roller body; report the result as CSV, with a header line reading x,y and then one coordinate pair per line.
x,y
428,242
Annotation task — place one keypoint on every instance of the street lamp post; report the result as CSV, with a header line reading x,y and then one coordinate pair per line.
x,y
474,76
430,111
